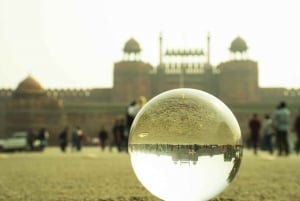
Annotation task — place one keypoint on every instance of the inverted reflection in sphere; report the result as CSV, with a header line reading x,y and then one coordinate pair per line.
x,y
185,144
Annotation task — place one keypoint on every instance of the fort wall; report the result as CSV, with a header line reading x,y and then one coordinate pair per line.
x,y
235,82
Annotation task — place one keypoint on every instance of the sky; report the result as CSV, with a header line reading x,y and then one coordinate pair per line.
x,y
75,43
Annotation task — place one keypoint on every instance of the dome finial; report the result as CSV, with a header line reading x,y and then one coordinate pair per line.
x,y
132,46
132,50
238,48
238,45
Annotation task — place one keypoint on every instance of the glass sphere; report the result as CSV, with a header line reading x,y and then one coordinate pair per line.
x,y
185,144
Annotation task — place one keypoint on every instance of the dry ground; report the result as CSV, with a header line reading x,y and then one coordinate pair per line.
x,y
96,176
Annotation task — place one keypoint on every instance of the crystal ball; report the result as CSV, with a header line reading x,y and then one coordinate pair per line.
x,y
185,144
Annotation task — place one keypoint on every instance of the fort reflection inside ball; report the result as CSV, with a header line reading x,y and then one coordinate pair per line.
x,y
185,144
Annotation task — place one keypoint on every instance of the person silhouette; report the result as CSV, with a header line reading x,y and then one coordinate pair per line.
x,y
254,125
297,130
63,138
103,135
268,133
281,123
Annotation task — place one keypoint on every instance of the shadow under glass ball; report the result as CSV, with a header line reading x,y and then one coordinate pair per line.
x,y
185,144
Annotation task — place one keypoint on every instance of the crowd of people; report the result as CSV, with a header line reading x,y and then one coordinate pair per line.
x,y
120,131
269,133
272,132
38,140
77,136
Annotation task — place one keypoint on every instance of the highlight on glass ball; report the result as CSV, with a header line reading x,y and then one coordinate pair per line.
x,y
185,144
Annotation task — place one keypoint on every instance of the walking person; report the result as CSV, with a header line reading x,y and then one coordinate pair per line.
x,y
268,133
124,136
77,137
30,139
281,122
103,135
130,114
118,134
255,126
297,130
63,138
134,108
43,136
80,136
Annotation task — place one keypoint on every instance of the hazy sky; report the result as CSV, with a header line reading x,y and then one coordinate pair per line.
x,y
74,43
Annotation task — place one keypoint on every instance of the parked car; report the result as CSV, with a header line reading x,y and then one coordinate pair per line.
x,y
21,141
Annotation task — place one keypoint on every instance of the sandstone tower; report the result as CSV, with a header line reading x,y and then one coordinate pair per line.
x,y
131,75
238,79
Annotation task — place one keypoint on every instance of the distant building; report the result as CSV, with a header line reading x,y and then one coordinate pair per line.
x,y
235,82
30,109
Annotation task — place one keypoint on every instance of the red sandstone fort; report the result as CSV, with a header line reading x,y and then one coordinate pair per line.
x,y
235,82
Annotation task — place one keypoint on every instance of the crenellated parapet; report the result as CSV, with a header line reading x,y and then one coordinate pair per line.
x,y
271,95
293,92
189,61
71,93
184,52
187,68
5,93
